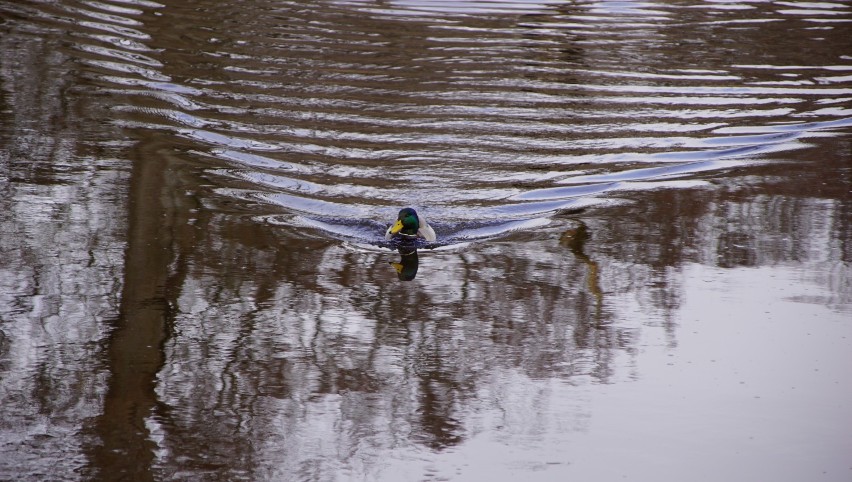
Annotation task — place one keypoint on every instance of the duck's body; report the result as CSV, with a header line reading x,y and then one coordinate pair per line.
x,y
409,224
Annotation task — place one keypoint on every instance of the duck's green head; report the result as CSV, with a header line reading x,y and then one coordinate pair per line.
x,y
407,223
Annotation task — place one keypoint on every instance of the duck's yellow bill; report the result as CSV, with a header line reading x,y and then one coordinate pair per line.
x,y
398,267
396,227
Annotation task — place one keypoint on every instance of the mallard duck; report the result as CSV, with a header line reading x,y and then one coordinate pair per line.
x,y
412,225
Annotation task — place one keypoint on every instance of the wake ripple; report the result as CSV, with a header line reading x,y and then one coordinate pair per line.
x,y
489,117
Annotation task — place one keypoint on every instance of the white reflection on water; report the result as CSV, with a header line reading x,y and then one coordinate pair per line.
x,y
756,370
739,390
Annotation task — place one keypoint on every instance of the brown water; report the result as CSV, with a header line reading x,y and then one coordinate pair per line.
x,y
643,260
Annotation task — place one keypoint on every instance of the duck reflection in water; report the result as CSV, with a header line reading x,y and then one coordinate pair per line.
x,y
406,268
409,229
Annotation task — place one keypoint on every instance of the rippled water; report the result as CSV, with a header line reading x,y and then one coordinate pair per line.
x,y
643,257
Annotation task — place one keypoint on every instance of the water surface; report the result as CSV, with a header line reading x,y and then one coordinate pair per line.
x,y
643,257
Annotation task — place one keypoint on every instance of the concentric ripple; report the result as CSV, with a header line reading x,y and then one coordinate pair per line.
x,y
487,117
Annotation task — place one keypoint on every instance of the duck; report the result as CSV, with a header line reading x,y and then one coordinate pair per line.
x,y
411,225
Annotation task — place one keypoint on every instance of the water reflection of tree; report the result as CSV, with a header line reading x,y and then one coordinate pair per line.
x,y
441,350
280,337
418,353
61,240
